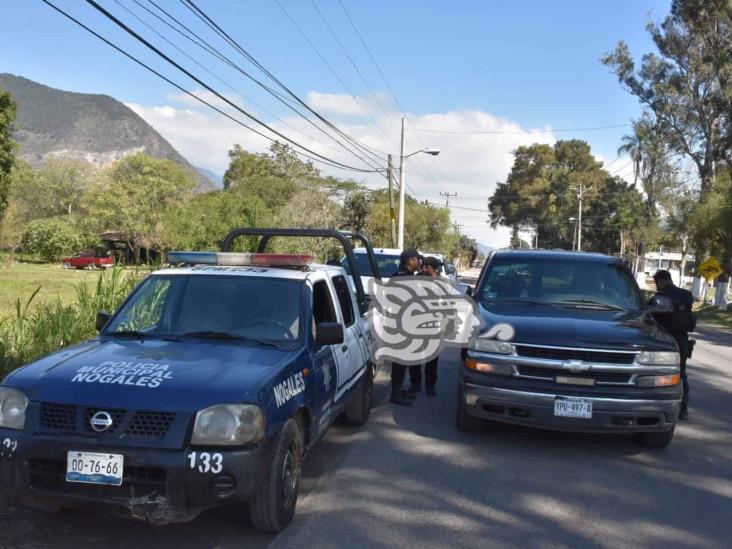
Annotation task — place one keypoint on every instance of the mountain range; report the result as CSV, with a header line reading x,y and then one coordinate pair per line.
x,y
53,123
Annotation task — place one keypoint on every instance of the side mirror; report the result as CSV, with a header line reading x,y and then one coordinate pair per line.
x,y
329,333
102,319
465,289
660,304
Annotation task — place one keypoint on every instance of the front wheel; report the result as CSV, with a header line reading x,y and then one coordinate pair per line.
x,y
272,507
657,440
359,409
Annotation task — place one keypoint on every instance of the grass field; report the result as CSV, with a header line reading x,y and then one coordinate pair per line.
x,y
22,279
712,315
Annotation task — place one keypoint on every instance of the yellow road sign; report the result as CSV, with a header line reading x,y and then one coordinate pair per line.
x,y
710,269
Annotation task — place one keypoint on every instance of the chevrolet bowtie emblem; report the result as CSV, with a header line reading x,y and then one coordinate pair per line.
x,y
575,366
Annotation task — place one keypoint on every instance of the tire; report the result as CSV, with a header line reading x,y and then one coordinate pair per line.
x,y
359,409
464,421
67,265
272,507
657,440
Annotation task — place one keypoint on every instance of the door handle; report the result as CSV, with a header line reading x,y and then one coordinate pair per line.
x,y
344,348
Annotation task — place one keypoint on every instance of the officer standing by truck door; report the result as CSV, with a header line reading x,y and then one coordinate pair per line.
x,y
409,264
678,323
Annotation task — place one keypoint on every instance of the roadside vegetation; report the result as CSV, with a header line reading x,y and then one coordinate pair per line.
x,y
715,316
34,329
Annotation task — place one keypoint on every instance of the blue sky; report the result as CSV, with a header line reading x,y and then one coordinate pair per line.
x,y
456,65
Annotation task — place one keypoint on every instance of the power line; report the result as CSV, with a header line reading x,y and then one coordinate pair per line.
x,y
226,83
501,132
368,86
190,75
331,69
391,91
234,44
179,87
203,44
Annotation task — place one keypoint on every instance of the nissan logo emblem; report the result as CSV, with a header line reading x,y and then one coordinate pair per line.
x,y
101,421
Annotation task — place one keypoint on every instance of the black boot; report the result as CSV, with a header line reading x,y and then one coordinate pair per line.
x,y
430,390
399,400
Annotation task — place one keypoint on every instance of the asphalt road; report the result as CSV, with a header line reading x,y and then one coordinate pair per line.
x,y
409,478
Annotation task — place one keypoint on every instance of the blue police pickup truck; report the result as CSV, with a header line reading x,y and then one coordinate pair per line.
x,y
206,387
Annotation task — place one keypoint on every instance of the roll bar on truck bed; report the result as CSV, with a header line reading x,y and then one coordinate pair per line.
x,y
344,237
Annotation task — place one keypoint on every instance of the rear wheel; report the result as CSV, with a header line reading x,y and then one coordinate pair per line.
x,y
657,440
464,421
273,506
359,409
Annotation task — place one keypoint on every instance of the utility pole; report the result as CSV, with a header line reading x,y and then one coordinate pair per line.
x,y
392,213
400,236
580,195
447,196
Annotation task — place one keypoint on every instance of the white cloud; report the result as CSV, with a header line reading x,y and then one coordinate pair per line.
x,y
185,99
469,164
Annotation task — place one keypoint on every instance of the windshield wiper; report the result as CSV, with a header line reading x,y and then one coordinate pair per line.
x,y
212,334
141,335
524,302
593,303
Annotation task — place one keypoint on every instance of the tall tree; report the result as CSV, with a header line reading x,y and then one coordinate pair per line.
x,y
136,196
687,84
7,146
542,187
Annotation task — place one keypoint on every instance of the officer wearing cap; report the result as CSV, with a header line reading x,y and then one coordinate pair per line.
x,y
678,323
409,264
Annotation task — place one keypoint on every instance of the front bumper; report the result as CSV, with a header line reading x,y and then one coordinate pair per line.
x,y
536,409
160,486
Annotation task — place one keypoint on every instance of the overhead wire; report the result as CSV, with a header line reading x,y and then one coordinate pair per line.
x,y
217,77
419,160
174,84
208,21
201,43
312,45
517,132
190,75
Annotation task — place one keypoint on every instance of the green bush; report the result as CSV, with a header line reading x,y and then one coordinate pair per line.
x,y
34,331
51,239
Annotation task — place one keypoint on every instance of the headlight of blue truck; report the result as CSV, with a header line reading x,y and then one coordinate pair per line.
x,y
228,425
13,404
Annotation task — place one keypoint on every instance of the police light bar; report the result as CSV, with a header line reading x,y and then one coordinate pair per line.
x,y
233,259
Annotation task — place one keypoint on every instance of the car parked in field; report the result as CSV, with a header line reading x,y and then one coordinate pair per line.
x,y
89,259
206,387
573,347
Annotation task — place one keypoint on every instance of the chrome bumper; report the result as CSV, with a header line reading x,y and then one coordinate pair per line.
x,y
537,410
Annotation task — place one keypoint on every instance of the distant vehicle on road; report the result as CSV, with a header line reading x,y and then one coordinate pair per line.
x,y
578,350
88,259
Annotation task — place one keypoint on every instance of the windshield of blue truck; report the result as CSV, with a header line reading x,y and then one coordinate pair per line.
x,y
388,265
560,281
258,309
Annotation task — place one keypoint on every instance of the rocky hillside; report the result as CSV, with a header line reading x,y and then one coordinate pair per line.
x,y
96,128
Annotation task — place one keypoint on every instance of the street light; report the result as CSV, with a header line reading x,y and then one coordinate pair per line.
x,y
402,186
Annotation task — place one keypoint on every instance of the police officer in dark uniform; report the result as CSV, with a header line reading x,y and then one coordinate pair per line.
x,y
409,264
678,323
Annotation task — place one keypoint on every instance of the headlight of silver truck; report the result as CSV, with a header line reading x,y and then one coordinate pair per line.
x,y
228,425
486,345
658,358
13,404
